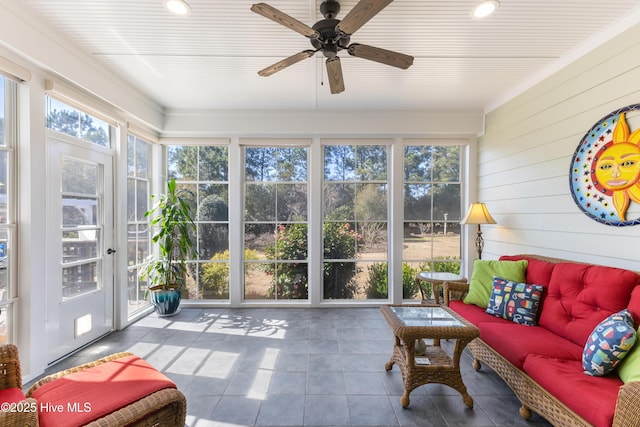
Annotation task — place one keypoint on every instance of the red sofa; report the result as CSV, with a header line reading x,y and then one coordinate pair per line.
x,y
543,363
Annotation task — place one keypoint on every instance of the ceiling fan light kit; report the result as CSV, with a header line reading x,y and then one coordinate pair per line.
x,y
331,35
485,8
177,7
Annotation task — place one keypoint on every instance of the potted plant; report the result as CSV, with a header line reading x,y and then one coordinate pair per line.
x,y
172,229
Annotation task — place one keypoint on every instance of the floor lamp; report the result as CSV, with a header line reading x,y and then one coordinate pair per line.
x,y
478,214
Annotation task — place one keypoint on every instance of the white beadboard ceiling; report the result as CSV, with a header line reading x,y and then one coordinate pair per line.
x,y
210,59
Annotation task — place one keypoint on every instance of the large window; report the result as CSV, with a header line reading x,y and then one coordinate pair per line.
x,y
203,172
355,232
275,221
138,239
8,122
318,229
432,211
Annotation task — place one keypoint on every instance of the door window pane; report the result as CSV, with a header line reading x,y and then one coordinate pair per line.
x,y
81,227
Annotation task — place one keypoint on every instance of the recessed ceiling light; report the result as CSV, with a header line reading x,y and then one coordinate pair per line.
x,y
485,8
179,7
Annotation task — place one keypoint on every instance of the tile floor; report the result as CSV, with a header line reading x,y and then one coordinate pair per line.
x,y
298,367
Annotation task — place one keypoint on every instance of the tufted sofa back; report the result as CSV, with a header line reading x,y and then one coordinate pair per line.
x,y
578,296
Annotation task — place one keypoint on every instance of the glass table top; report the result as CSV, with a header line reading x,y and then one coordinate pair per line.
x,y
425,316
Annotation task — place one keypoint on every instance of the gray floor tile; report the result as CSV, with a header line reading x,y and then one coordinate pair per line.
x,y
371,411
325,383
364,383
236,410
281,410
324,367
326,410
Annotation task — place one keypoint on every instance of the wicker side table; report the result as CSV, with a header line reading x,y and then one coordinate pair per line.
x,y
415,322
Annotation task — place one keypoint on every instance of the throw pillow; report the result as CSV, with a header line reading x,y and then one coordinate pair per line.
x,y
481,281
629,368
518,302
608,344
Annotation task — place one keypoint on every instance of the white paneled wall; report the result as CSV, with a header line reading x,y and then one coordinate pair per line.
x,y
525,155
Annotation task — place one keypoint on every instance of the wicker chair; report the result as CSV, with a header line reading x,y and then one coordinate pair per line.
x,y
21,414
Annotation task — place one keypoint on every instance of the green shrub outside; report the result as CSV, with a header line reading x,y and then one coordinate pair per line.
x,y
291,279
214,279
378,286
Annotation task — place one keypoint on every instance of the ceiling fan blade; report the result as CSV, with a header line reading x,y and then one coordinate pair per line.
x,y
280,65
284,19
334,73
383,56
361,13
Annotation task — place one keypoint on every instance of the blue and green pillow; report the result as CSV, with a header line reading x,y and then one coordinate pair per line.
x,y
608,344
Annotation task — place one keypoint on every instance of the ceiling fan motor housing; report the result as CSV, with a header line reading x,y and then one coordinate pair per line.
x,y
330,41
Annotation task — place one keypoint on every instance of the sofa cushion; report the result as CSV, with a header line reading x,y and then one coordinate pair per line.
x,y
473,313
482,278
538,272
608,344
579,296
629,368
99,390
515,301
515,342
11,395
593,398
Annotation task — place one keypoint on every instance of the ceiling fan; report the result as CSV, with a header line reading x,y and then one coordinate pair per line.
x,y
331,35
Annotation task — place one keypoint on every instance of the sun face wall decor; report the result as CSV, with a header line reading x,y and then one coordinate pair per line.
x,y
605,169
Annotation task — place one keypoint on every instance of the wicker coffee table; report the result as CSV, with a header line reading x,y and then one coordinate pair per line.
x,y
417,322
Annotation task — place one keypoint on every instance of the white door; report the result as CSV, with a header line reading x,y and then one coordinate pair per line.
x,y
79,239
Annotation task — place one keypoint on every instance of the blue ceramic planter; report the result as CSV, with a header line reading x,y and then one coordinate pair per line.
x,y
166,302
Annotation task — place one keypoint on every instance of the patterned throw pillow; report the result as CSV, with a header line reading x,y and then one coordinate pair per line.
x,y
608,344
518,302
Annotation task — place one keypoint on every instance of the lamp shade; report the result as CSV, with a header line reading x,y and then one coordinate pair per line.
x,y
478,214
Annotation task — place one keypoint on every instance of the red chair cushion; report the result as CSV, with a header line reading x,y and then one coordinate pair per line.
x,y
11,395
593,398
85,396
580,296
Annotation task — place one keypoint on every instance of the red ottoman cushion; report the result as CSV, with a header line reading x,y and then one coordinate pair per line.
x,y
593,398
11,395
85,396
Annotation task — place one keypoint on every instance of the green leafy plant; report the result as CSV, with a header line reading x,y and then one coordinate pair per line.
x,y
172,227
377,282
